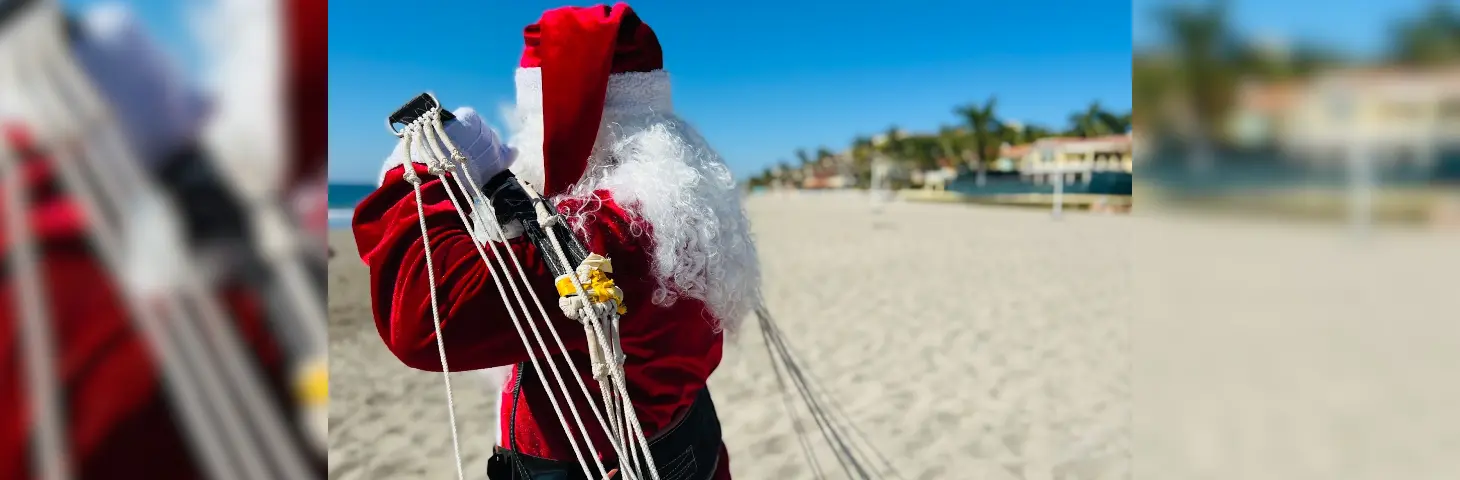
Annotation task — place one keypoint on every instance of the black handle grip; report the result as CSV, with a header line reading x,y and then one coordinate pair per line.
x,y
414,109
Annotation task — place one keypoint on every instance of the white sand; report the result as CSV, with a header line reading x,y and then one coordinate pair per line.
x,y
952,335
1280,351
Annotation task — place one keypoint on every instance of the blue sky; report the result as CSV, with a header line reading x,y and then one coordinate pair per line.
x,y
1359,27
768,77
759,80
166,21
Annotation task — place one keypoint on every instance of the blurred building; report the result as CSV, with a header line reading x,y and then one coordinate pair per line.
x,y
1077,159
1011,157
829,172
1402,118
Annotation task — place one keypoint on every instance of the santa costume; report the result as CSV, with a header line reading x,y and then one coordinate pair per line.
x,y
118,420
596,132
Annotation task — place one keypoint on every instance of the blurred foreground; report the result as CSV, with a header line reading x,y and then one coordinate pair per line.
x,y
161,303
1227,122
1297,239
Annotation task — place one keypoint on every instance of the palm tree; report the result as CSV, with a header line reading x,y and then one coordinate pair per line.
x,y
760,179
1153,81
1433,39
983,128
1094,121
1010,133
1204,43
922,151
1122,122
803,157
893,145
950,144
823,153
862,153
787,173
1031,133
1308,58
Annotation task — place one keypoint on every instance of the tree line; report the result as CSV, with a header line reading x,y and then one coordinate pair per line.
x,y
1191,81
975,140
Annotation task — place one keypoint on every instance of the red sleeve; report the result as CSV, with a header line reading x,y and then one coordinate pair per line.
x,y
478,331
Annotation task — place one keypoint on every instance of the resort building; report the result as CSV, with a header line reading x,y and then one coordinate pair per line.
x,y
1400,117
829,172
1076,159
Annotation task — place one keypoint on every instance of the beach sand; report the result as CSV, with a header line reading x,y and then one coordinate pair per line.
x,y
967,342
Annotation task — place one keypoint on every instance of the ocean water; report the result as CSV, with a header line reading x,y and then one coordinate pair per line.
x,y
342,199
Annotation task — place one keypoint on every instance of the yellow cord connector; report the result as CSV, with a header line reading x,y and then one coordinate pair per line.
x,y
312,384
593,274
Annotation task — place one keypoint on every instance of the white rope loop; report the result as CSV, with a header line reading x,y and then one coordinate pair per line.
x,y
415,180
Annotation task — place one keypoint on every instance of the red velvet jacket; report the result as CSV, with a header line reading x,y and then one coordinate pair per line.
x,y
671,350
118,420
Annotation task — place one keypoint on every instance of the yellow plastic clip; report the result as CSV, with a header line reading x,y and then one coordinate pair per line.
x,y
593,274
312,384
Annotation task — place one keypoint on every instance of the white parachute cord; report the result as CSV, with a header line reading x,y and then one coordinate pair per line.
x,y
621,424
180,384
409,174
494,226
431,138
126,172
46,395
762,312
615,370
615,417
626,417
182,387
588,312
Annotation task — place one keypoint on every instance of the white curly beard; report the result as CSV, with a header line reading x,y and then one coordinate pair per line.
x,y
667,177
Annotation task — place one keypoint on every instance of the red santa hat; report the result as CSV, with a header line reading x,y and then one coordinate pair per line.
x,y
580,62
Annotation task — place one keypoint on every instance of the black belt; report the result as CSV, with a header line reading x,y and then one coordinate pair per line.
x,y
687,450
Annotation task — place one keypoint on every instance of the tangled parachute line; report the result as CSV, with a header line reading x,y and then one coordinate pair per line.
x,y
234,428
855,454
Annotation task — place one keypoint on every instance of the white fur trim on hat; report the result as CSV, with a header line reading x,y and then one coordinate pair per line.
x,y
629,93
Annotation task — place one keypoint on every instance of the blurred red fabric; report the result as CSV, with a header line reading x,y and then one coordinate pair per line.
x,y
118,419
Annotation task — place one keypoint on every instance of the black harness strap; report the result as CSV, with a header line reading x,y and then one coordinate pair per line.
x,y
686,450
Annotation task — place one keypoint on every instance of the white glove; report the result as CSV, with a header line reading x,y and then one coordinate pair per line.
x,y
157,108
486,154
